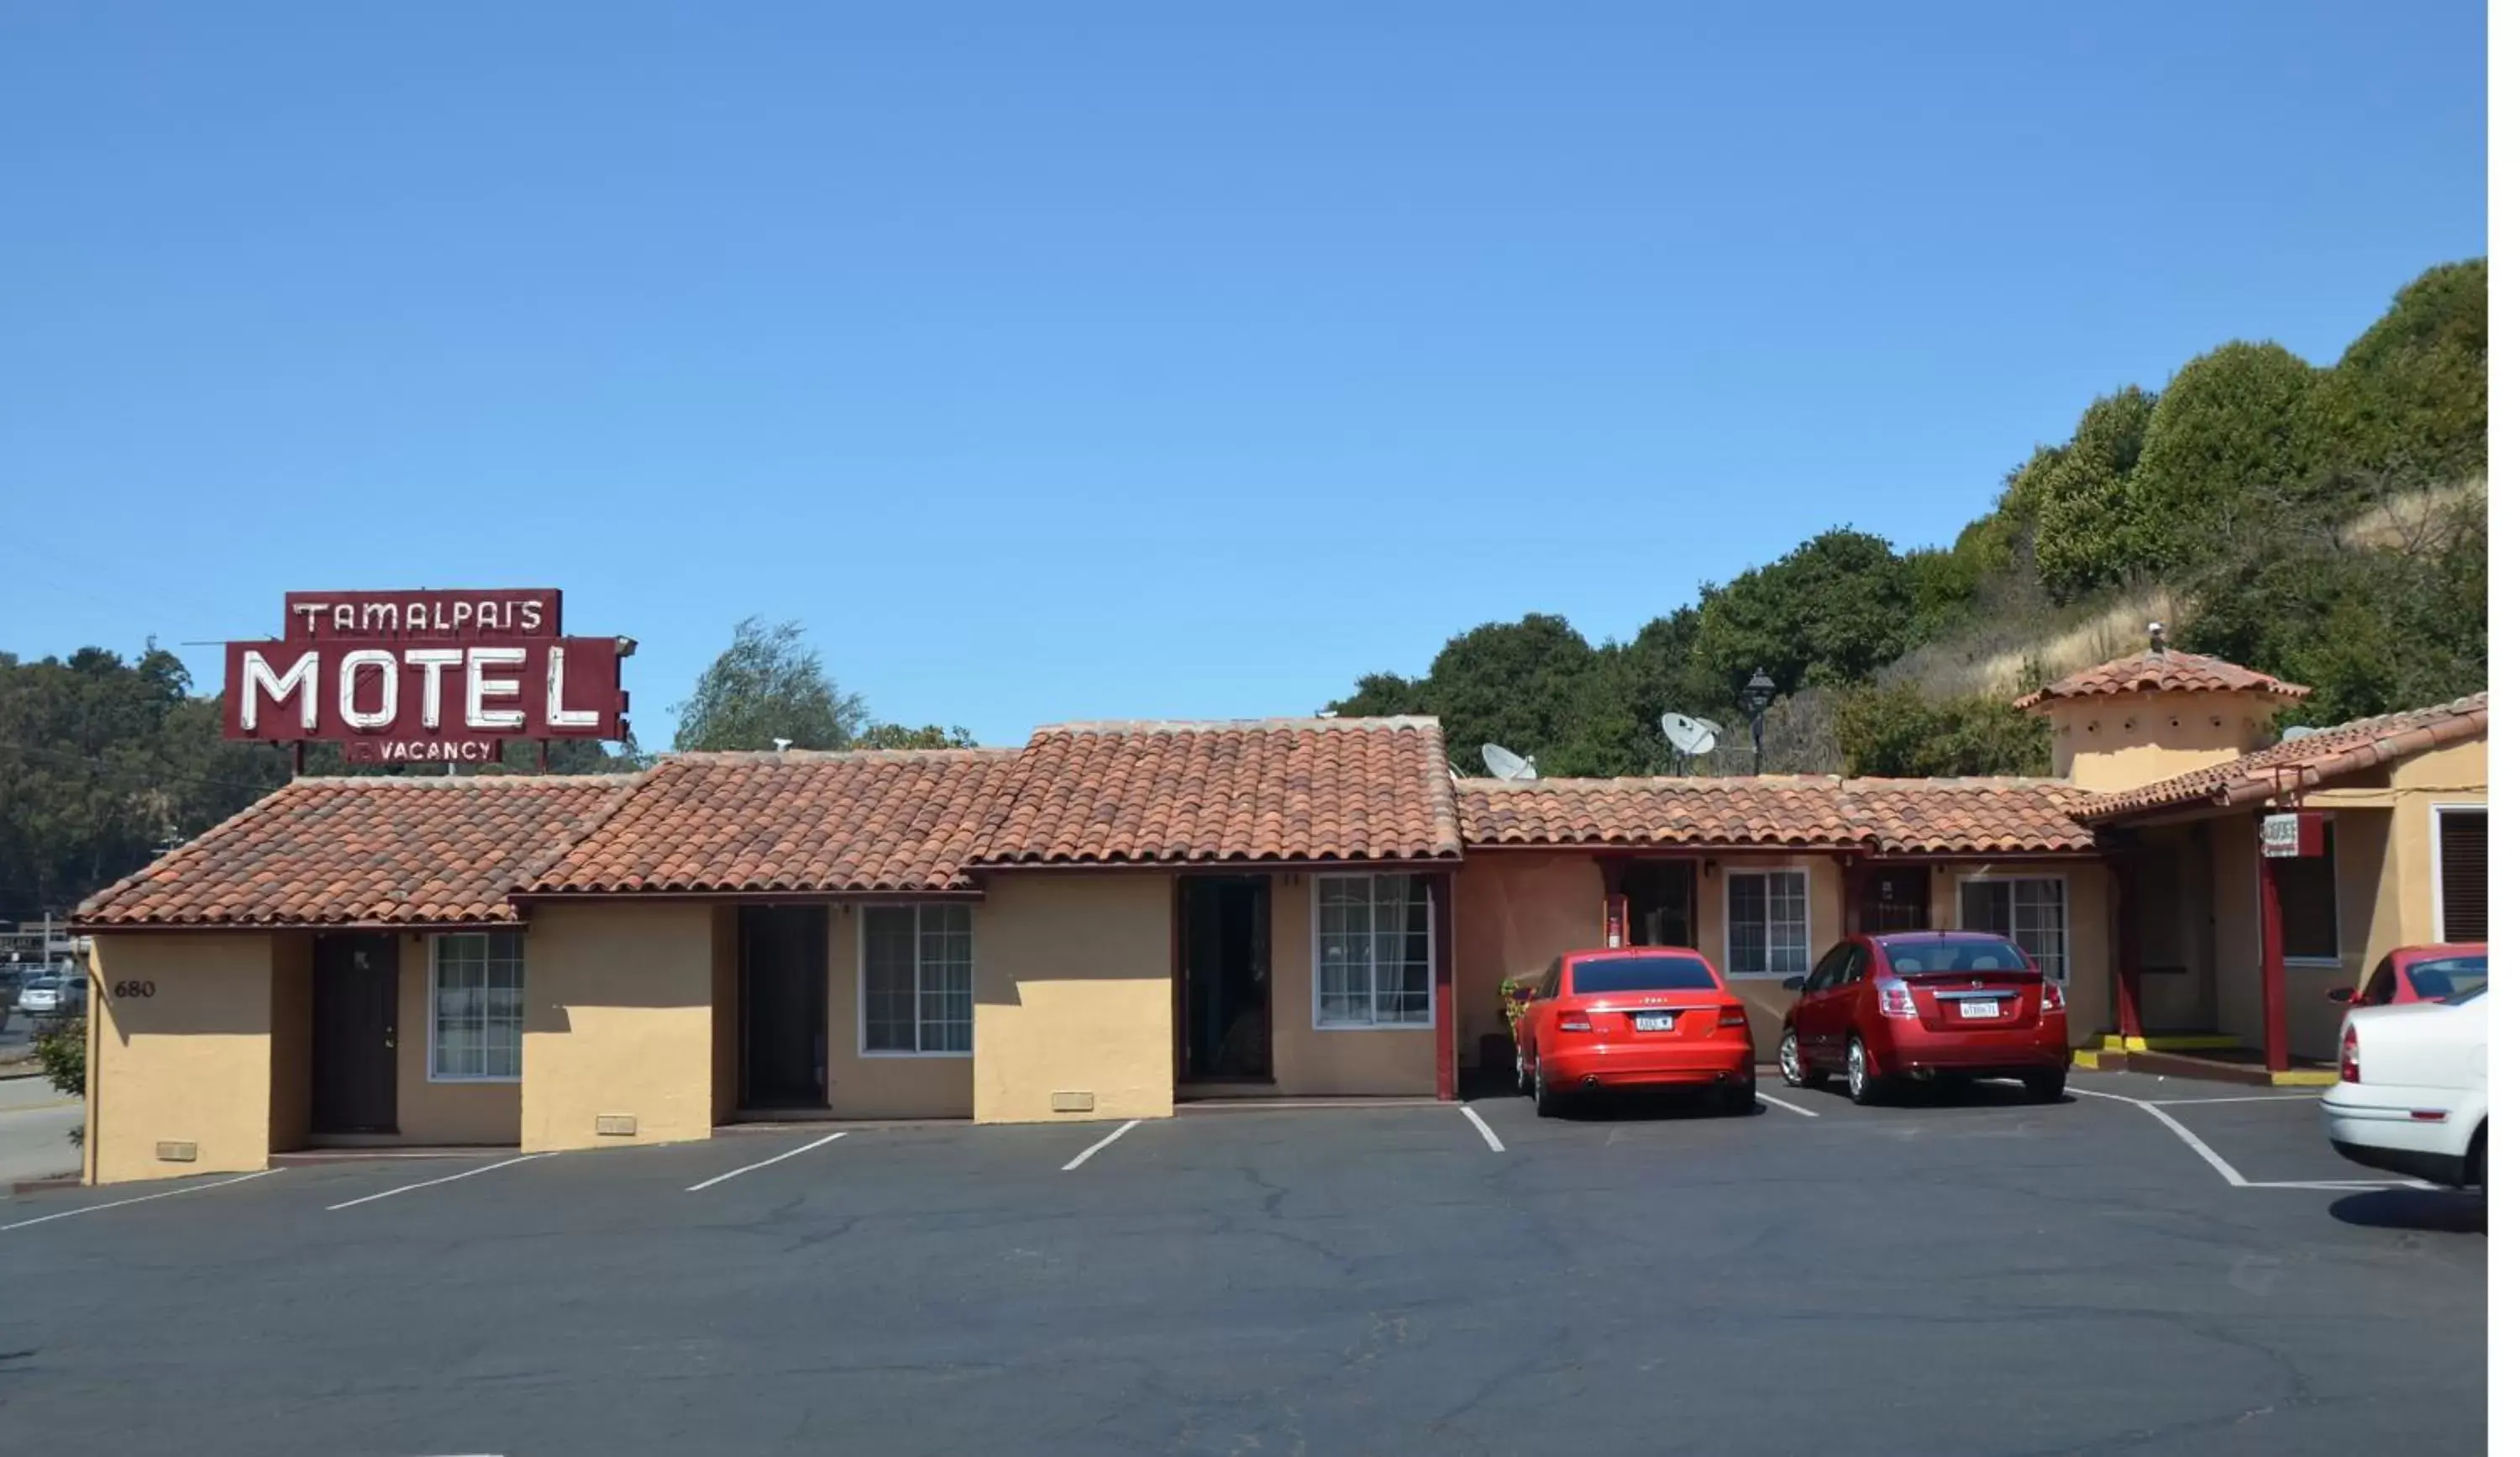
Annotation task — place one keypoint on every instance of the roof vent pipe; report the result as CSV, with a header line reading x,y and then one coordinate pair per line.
x,y
2160,638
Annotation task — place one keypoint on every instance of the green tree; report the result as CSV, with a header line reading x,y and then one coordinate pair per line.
x,y
1831,612
1382,696
902,736
2089,533
769,685
1898,731
1522,684
2406,404
2232,443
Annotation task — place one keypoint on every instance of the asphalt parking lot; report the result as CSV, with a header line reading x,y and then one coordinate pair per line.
x,y
1963,1275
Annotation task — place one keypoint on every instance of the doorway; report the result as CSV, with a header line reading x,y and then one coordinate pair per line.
x,y
1662,902
781,990
1898,898
1225,979
357,979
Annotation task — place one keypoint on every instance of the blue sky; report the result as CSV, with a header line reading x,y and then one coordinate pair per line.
x,y
1140,363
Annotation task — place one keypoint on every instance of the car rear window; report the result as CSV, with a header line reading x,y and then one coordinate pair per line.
x,y
1644,973
1924,958
2446,976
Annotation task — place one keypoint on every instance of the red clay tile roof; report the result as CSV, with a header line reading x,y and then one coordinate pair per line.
x,y
2162,670
383,851
1266,789
1895,816
2304,763
796,822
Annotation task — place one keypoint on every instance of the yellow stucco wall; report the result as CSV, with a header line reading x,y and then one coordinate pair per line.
x,y
619,1023
441,1113
190,1063
879,1085
1512,911
1311,1062
1073,993
2104,745
292,1039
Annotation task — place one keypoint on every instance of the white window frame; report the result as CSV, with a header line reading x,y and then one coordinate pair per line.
x,y
1732,873
2064,912
434,941
1432,954
916,969
2440,933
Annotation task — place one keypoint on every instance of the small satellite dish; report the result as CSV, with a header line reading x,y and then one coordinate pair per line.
x,y
779,746
1692,736
1505,764
2298,731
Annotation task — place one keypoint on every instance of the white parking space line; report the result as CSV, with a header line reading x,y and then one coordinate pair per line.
x,y
766,1163
2234,1176
1105,1142
2231,1175
2259,1098
1481,1124
1788,1107
142,1199
432,1183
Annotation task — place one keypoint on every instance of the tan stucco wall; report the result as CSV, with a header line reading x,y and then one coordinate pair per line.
x,y
442,1114
191,1064
618,1022
292,1039
1511,912
1311,1062
2115,742
864,1086
1074,991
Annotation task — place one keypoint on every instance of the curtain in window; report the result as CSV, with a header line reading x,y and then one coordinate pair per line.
x,y
1374,952
478,1006
916,980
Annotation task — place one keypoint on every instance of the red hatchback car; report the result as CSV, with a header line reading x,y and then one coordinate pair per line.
x,y
2418,974
1924,1003
1633,1016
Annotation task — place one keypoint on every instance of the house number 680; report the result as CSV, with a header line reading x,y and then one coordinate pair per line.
x,y
135,988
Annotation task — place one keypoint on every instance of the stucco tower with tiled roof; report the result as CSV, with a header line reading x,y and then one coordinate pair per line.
x,y
2156,715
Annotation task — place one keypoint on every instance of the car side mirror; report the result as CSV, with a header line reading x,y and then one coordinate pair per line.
x,y
2342,996
1791,983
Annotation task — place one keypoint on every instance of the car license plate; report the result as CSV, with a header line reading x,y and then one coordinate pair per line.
x,y
1987,1008
1653,1021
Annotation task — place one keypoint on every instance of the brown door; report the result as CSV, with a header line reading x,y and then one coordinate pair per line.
x,y
1896,899
356,977
1223,991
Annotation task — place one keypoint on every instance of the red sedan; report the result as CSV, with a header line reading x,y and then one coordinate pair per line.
x,y
1630,1018
2432,973
1922,1004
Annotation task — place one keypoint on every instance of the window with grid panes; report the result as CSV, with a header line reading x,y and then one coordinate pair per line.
x,y
1767,924
476,1001
2029,911
915,978
1372,952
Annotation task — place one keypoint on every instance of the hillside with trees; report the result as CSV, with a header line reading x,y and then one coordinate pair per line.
x,y
2326,524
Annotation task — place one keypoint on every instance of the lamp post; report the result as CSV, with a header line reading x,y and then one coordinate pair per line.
x,y
1756,695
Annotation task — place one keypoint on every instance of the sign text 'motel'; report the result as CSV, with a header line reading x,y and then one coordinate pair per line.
x,y
434,677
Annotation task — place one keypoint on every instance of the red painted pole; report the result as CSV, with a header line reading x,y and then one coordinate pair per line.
x,y
2270,967
1850,888
2129,958
1447,1036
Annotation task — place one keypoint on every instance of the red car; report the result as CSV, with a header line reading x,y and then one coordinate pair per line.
x,y
1922,1004
2418,974
1633,1016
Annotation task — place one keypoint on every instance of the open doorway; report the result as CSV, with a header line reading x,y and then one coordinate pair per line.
x,y
1662,902
1224,979
783,982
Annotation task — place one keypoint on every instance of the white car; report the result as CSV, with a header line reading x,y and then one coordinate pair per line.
x,y
2409,1095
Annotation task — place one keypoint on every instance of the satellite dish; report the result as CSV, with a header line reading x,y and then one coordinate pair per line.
x,y
1690,736
1505,764
2298,731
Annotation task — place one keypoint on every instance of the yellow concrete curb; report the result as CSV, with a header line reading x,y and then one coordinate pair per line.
x,y
2302,1077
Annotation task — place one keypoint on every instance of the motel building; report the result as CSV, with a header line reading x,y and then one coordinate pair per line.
x,y
1118,919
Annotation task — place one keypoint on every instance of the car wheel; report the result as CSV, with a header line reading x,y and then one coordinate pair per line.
x,y
1789,1059
1861,1085
1545,1101
1741,1098
2046,1086
1521,1075
2476,1160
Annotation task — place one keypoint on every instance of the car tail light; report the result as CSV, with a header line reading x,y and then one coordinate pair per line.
x,y
2052,997
2349,1063
1574,1021
1731,1017
1896,1001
